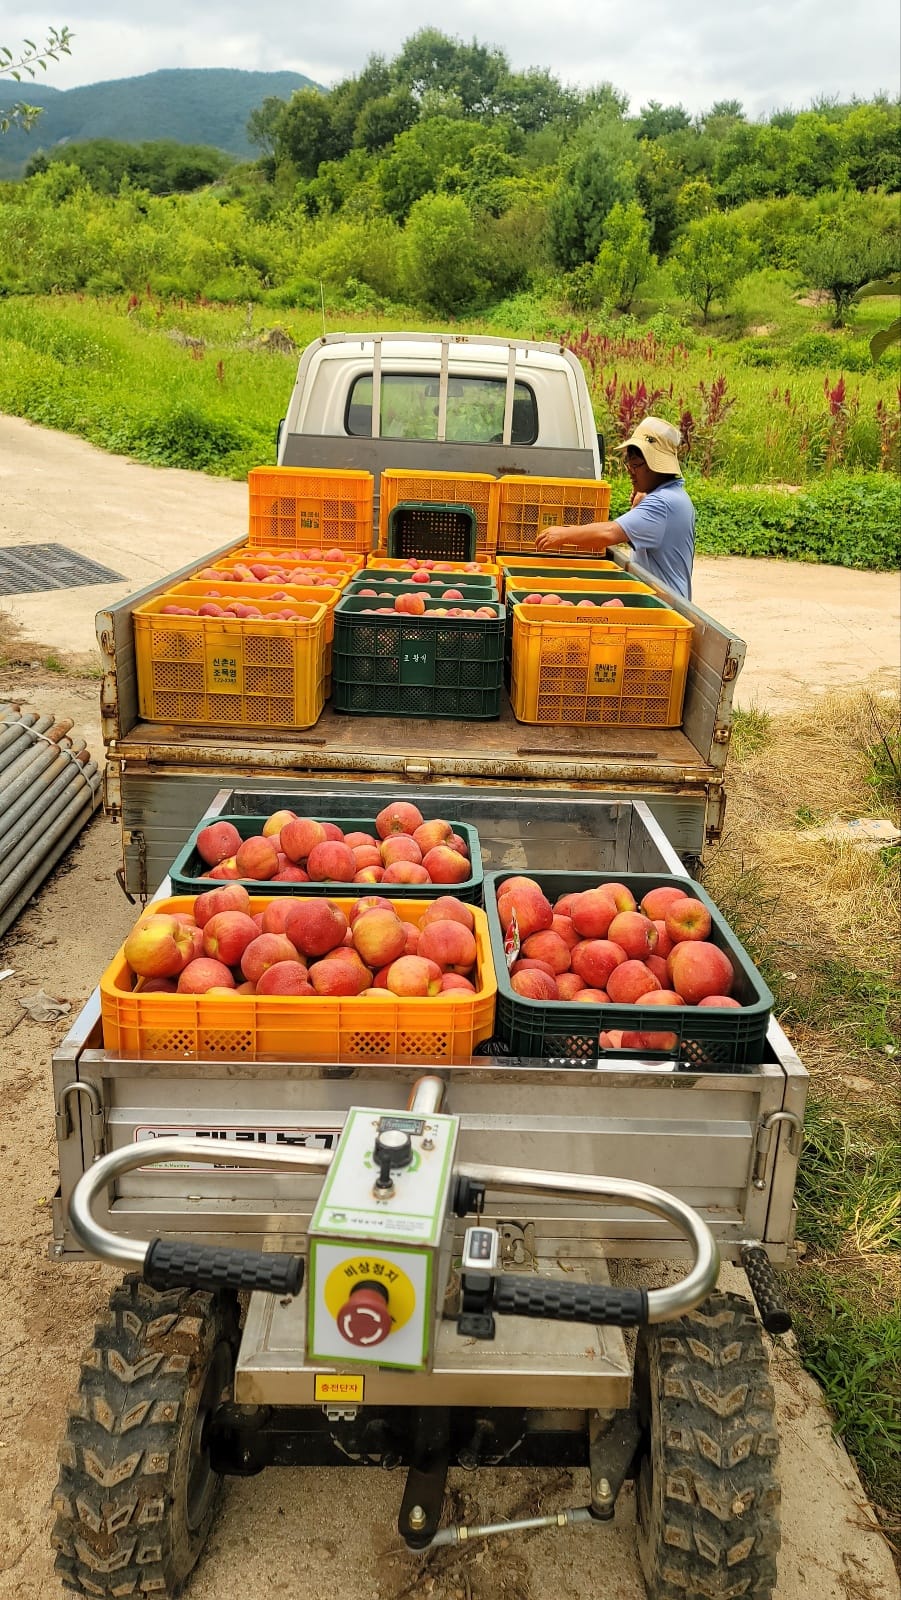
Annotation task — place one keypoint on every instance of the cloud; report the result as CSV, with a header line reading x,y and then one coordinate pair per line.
x,y
766,55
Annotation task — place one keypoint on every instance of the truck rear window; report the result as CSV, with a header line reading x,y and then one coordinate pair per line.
x,y
409,409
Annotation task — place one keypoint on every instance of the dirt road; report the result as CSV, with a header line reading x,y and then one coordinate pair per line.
x,y
316,1534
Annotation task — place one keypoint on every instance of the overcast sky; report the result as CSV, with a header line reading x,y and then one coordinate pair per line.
x,y
766,53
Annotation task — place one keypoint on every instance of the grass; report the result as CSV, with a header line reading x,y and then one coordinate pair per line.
x,y
821,919
750,731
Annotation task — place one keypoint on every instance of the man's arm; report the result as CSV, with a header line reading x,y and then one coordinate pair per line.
x,y
589,537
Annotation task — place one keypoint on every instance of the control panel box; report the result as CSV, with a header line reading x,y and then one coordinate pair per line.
x,y
380,1240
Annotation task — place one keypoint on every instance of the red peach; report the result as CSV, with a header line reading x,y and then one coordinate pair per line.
x,y
449,944
226,869
257,858
379,938
276,822
218,841
382,993
286,977
227,935
445,865
315,927
447,908
159,985
398,817
612,1040
622,898
662,997
592,913
513,885
688,919
369,875
272,920
664,943
299,837
548,946
534,985
531,965
291,874
232,898
405,872
411,947
454,982
569,984
458,843
634,932
159,947
564,906
698,969
656,903
594,959
657,965
629,982
264,952
202,975
533,911
431,834
399,847
563,927
369,902
592,997
331,862
340,974
650,1041
333,832
723,1001
366,855
412,976
352,840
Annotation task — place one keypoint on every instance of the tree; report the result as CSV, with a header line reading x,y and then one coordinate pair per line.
x,y
432,62
601,172
624,258
656,120
658,181
711,259
304,134
31,55
845,252
534,99
264,122
440,258
381,120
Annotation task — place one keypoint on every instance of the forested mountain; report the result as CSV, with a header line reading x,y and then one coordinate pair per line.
x,y
195,106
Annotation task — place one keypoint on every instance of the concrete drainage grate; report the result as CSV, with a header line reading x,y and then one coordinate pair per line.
x,y
31,568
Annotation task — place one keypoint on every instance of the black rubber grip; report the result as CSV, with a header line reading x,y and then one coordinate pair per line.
x,y
170,1264
774,1313
570,1302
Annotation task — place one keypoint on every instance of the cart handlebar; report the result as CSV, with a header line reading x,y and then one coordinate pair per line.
x,y
171,1264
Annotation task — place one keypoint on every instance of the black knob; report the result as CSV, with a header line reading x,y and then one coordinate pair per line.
x,y
393,1150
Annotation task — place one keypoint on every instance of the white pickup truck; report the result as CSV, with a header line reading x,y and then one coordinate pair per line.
x,y
426,402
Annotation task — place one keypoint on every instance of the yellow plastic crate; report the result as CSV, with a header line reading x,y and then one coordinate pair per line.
x,y
257,672
337,572
476,489
257,592
526,506
258,1027
593,582
485,569
311,509
553,561
628,672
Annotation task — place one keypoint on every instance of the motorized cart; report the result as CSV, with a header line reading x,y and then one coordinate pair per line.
x,y
397,1263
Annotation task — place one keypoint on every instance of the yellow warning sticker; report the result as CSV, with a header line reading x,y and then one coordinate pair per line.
x,y
338,1387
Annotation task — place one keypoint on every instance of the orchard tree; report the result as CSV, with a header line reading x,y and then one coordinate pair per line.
x,y
847,250
712,257
440,255
23,63
624,258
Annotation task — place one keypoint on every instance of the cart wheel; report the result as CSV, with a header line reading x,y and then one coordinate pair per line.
x,y
136,1493
707,1494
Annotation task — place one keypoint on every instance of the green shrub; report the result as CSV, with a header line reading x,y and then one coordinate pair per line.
x,y
757,353
844,522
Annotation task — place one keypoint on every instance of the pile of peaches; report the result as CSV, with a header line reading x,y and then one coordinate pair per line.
x,y
291,849
577,605
302,572
600,947
304,947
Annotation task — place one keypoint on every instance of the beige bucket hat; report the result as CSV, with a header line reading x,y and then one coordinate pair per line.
x,y
658,442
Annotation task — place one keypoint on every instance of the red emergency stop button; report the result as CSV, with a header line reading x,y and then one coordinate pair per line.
x,y
364,1319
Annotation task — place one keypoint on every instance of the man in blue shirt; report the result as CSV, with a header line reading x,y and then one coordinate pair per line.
x,y
660,523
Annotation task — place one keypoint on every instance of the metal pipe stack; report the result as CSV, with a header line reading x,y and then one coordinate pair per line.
x,y
49,789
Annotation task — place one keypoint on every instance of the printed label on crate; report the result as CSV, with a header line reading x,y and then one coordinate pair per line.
x,y
417,662
550,519
603,668
512,940
290,1138
309,515
225,669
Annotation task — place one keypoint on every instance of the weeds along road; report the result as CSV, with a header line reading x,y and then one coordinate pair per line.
x,y
321,1534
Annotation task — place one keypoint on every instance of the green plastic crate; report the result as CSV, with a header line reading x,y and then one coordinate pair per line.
x,y
425,666
431,531
186,872
707,1039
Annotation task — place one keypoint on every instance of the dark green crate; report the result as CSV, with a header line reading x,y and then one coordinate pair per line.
x,y
431,531
426,666
707,1039
186,872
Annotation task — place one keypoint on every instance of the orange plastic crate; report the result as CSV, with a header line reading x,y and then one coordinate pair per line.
x,y
485,569
476,489
288,557
257,592
526,506
307,508
251,673
553,561
298,1028
629,672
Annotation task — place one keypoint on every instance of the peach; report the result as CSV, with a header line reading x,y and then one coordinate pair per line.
x,y
333,832
366,855
533,912
662,997
563,927
369,875
650,1041
698,969
226,869
331,862
197,950
622,898
202,975
379,938
299,836
634,933
410,605
445,865
447,908
369,902
613,1040
512,885
454,982
272,920
449,944
564,906
530,964
232,898
376,994
276,822
405,872
594,959
216,842
291,874
352,840
664,943
315,927
159,947
159,985
227,935
431,834
413,976
411,948
264,952
548,946
656,903
657,965
458,843
688,919
592,913
399,847
286,977
628,982
340,974
592,997
724,1001
257,858
398,817
569,984
534,985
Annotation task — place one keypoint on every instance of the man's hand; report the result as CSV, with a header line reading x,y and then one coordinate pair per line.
x,y
553,539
